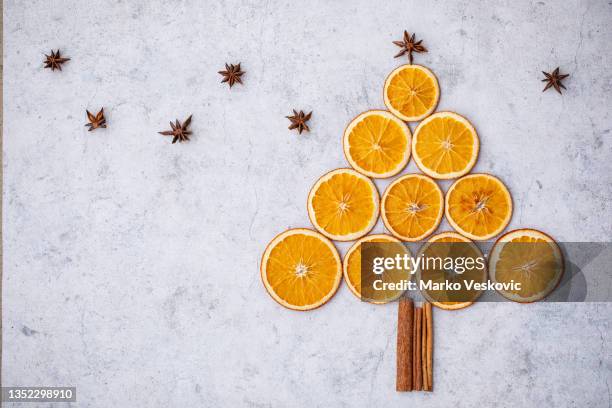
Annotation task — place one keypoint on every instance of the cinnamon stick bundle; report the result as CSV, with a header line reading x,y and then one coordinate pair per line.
x,y
414,347
405,327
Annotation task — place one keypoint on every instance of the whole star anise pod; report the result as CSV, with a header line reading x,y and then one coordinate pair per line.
x,y
232,74
554,79
408,46
97,121
55,61
179,131
298,121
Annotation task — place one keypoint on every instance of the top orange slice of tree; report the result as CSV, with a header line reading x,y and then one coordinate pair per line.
x,y
478,206
411,92
529,257
376,143
352,267
301,269
343,205
458,248
445,145
412,207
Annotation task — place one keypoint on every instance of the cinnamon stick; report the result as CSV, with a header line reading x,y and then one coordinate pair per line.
x,y
424,348
429,345
418,374
414,349
405,327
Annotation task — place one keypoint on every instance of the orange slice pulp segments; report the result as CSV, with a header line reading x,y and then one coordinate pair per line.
x,y
441,246
353,273
412,207
445,145
301,269
377,144
529,257
411,92
478,206
343,205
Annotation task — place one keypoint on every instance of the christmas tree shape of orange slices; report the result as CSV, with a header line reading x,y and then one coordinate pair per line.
x,y
301,268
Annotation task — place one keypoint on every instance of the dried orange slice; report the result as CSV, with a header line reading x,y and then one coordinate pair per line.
x,y
411,92
445,145
529,257
377,144
478,206
301,269
353,274
343,205
451,245
412,207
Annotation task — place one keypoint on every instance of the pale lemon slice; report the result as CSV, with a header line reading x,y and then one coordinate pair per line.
x,y
445,145
529,257
301,269
343,205
377,144
411,92
412,207
478,206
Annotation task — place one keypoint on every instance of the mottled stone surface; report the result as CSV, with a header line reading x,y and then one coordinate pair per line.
x,y
131,265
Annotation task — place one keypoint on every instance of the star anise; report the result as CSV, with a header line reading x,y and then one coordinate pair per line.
x,y
97,121
179,131
298,121
55,61
408,46
232,74
554,79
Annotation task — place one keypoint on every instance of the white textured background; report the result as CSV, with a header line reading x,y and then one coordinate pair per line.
x,y
131,265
